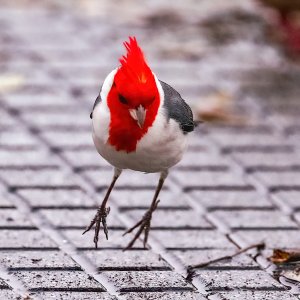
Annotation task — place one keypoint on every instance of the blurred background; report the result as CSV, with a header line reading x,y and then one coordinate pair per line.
x,y
215,54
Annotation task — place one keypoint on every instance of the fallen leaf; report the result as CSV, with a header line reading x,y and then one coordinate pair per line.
x,y
218,108
280,256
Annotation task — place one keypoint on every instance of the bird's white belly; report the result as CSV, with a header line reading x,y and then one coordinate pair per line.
x,y
159,149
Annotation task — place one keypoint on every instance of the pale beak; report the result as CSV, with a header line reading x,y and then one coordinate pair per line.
x,y
139,115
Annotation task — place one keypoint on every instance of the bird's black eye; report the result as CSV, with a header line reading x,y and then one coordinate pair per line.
x,y
122,99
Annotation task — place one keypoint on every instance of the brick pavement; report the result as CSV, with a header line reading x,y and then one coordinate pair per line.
x,y
237,185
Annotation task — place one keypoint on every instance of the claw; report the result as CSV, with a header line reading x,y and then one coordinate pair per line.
x,y
145,225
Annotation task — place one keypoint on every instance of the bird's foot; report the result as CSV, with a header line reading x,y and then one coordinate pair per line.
x,y
99,218
144,226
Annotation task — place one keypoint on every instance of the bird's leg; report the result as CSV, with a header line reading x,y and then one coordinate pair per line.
x,y
103,212
145,223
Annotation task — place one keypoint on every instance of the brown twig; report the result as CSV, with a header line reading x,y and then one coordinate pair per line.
x,y
191,269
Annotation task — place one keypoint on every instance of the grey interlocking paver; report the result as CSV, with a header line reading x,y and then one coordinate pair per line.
x,y
231,199
115,239
173,219
141,198
85,158
12,218
19,259
28,158
275,238
257,295
245,279
209,179
68,139
63,197
20,238
198,256
66,217
147,280
9,295
75,295
284,180
133,259
63,280
17,138
164,296
128,179
192,239
260,161
41,178
254,218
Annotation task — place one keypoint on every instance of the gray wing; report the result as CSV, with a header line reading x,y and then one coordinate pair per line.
x,y
177,108
98,100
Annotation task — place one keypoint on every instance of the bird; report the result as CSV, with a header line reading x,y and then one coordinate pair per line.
x,y
139,123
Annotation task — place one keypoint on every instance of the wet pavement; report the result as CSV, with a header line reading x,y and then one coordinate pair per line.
x,y
237,185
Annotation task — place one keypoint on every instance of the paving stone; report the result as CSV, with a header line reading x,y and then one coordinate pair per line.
x,y
194,257
208,179
85,158
64,280
142,198
128,179
277,181
24,239
9,295
24,100
56,197
26,158
191,239
36,259
5,202
65,139
18,138
261,161
254,218
12,218
115,239
6,120
163,296
37,178
203,160
48,119
133,259
257,295
245,279
77,217
75,295
290,198
128,281
273,238
229,142
173,219
227,199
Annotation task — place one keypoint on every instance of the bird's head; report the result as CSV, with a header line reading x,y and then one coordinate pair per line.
x,y
134,93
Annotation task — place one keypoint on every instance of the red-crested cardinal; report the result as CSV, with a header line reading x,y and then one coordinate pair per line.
x,y
139,123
